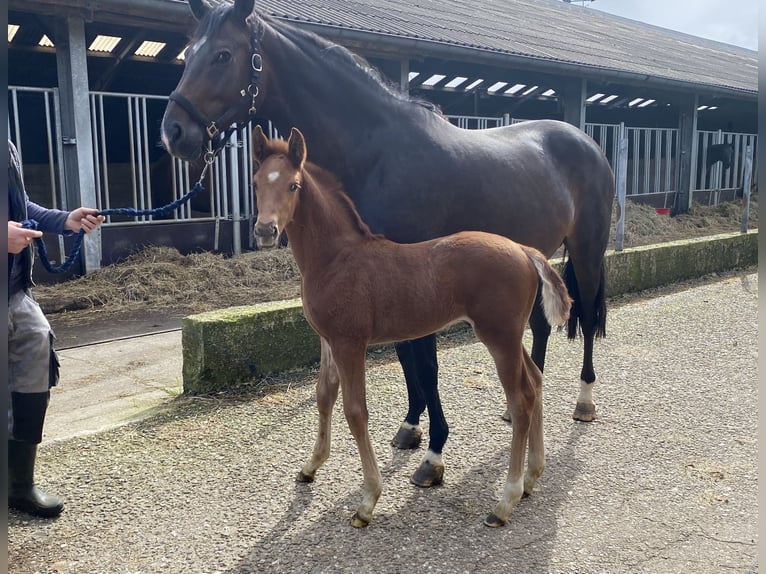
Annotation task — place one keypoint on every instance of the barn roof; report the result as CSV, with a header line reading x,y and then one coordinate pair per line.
x,y
546,31
546,35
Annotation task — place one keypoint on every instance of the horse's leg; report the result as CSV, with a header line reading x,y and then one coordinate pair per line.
x,y
585,279
536,454
327,394
431,469
523,395
350,361
410,434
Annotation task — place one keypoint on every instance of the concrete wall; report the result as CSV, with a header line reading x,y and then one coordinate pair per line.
x,y
230,347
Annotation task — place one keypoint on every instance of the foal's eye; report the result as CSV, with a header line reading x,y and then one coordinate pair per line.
x,y
223,57
294,186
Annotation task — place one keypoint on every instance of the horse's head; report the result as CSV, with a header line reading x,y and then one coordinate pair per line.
x,y
277,182
219,83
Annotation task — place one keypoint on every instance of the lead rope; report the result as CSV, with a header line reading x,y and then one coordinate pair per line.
x,y
77,245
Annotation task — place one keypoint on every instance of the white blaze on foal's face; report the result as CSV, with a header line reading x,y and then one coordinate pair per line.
x,y
275,197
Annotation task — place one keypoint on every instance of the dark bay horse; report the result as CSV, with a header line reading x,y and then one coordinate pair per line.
x,y
358,288
411,174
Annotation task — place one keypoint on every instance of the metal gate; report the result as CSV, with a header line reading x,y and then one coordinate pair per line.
x,y
715,180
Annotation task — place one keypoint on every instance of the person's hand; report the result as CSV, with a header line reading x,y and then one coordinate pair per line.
x,y
20,238
83,218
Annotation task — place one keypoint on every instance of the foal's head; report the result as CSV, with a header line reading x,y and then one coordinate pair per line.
x,y
277,183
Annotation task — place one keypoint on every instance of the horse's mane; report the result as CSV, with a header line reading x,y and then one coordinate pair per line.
x,y
332,184
342,56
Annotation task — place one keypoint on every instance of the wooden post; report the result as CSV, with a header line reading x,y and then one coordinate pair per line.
x,y
687,161
404,75
621,185
573,97
747,169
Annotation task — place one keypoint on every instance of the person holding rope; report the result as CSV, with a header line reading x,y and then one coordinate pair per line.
x,y
32,363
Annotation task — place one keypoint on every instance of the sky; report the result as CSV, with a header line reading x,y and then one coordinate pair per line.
x,y
730,21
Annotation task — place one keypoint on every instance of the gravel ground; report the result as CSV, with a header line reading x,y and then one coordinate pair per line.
x,y
664,481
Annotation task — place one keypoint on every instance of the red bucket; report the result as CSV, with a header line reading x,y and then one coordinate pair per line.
x,y
663,210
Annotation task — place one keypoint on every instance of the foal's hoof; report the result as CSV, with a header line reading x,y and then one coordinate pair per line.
x,y
407,438
584,412
507,416
358,522
428,475
303,477
493,521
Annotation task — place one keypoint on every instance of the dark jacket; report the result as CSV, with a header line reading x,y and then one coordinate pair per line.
x,y
21,208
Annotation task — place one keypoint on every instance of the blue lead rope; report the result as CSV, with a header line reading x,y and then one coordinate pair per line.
x,y
164,210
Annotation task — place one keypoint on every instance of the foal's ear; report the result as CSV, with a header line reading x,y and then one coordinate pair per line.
x,y
296,148
198,8
243,8
260,141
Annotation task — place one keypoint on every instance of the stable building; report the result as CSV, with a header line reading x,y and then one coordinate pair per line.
x,y
88,84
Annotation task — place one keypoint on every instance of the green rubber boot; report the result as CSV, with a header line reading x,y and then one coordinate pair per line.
x,y
22,493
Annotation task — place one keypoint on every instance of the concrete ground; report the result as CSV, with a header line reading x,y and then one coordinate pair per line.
x,y
665,480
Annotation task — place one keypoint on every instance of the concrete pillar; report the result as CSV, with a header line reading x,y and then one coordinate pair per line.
x,y
572,96
687,143
404,76
77,145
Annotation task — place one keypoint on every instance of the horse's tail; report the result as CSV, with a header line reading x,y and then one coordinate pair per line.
x,y
556,300
599,303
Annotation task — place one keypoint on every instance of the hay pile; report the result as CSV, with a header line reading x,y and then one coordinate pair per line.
x,y
162,280
643,226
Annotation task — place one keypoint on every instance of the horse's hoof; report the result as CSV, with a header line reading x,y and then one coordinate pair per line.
x,y
507,416
428,475
358,522
493,521
584,413
303,477
407,438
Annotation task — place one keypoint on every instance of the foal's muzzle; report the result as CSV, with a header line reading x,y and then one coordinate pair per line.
x,y
266,234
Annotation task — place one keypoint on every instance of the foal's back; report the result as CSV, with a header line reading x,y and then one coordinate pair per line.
x,y
404,291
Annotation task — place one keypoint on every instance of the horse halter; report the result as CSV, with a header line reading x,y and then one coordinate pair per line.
x,y
226,119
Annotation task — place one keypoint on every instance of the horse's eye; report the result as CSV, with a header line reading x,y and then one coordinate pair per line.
x,y
223,57
294,186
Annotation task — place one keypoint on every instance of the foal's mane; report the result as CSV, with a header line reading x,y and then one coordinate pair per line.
x,y
319,181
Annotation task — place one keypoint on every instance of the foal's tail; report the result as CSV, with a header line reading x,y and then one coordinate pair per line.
x,y
556,300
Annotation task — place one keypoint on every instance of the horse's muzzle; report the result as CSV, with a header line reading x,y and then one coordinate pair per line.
x,y
181,139
266,234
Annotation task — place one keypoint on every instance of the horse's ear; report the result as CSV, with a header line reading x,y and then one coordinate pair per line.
x,y
296,148
198,8
259,145
243,8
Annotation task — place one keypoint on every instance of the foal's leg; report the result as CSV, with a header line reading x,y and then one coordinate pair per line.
x,y
541,331
350,361
536,454
327,394
522,396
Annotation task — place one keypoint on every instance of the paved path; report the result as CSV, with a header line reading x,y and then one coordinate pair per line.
x,y
665,481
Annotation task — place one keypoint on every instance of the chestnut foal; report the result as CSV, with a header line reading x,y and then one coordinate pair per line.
x,y
359,288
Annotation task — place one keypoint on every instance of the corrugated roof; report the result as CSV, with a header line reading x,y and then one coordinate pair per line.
x,y
547,30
